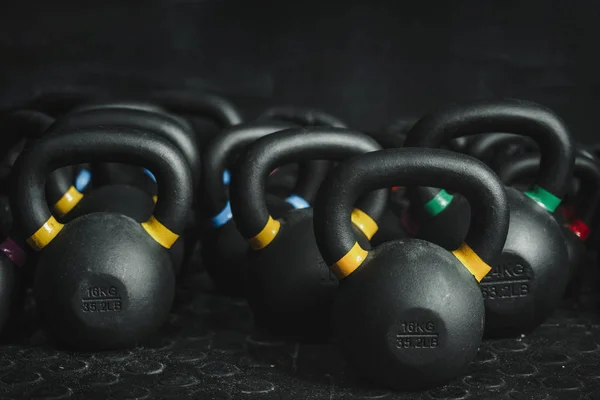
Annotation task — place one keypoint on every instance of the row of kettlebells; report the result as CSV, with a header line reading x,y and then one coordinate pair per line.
x,y
407,313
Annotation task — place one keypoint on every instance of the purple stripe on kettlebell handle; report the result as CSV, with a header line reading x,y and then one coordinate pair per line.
x,y
13,251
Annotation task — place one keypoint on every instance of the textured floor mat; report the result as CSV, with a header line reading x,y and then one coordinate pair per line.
x,y
208,351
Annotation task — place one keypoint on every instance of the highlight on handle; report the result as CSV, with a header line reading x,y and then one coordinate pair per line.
x,y
472,261
45,234
160,233
266,235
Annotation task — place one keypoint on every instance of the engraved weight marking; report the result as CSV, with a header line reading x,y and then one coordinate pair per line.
x,y
101,299
417,335
506,281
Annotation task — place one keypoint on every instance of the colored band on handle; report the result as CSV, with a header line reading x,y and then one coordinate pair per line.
x,y
45,234
83,179
364,222
472,262
226,177
579,228
297,201
439,203
266,236
350,262
150,175
13,251
154,199
543,197
67,202
159,232
223,217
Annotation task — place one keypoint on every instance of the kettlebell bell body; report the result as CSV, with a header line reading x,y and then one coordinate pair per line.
x,y
521,291
103,280
575,230
290,289
408,314
535,243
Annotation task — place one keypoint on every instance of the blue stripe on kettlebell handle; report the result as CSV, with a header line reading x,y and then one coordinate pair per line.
x,y
223,217
297,201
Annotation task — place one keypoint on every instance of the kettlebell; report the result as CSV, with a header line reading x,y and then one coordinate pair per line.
x,y
408,314
576,229
130,197
103,280
290,289
528,280
224,250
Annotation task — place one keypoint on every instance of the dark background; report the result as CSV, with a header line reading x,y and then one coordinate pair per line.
x,y
369,63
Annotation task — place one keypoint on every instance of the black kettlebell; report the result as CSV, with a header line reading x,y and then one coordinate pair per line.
x,y
103,280
575,226
408,314
290,289
133,198
224,250
528,280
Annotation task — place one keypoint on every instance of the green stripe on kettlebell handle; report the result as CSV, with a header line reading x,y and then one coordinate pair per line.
x,y
543,198
439,203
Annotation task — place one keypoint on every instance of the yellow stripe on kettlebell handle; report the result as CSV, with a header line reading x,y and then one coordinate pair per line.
x,y
266,236
348,264
160,233
154,199
472,262
67,202
364,222
45,234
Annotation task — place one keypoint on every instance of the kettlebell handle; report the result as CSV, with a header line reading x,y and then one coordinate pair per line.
x,y
102,145
411,167
215,107
510,116
302,116
586,169
483,148
220,151
164,125
289,146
